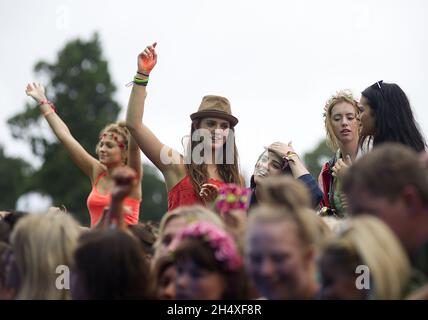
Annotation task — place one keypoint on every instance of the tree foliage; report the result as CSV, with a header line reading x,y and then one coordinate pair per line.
x,y
80,85
13,172
315,159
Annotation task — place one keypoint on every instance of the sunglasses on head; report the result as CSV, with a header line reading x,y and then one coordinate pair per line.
x,y
378,85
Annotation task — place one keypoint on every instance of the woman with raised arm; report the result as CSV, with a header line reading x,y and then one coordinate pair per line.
x,y
115,148
195,177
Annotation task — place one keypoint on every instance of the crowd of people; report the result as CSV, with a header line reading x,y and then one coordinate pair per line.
x,y
357,231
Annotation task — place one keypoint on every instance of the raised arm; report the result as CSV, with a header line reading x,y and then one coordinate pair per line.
x,y
297,167
79,155
146,140
134,162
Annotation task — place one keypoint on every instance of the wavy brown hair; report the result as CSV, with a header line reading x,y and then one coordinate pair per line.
x,y
229,173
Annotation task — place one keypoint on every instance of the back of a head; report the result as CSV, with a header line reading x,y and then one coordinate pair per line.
x,y
40,244
394,120
284,191
386,171
111,265
191,214
366,240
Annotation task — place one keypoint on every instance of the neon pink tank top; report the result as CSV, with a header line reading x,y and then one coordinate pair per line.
x,y
97,202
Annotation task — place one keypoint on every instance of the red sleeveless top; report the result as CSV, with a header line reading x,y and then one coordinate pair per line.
x,y
97,202
183,194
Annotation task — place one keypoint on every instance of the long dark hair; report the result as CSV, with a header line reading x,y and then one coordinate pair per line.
x,y
198,173
393,116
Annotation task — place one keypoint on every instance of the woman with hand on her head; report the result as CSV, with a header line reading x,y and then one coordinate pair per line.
x,y
342,125
279,159
195,180
115,148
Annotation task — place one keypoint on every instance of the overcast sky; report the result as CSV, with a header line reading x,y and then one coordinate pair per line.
x,y
276,61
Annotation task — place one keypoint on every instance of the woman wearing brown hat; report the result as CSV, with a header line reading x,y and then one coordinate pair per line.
x,y
193,178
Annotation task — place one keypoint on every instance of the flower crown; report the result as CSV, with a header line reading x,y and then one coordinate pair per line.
x,y
113,136
232,197
346,93
221,243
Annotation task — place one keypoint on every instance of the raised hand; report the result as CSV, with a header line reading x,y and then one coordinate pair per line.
x,y
147,59
36,91
209,192
125,179
281,148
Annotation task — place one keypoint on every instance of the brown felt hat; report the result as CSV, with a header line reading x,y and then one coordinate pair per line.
x,y
217,107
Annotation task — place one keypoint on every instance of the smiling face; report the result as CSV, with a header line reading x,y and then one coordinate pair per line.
x,y
344,122
276,261
268,164
110,150
218,130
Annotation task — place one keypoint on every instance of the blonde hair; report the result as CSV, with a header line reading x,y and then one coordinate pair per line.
x,y
190,214
373,244
41,243
340,96
333,223
120,129
284,190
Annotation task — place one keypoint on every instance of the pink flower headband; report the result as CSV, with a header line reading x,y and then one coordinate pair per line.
x,y
114,137
222,244
232,197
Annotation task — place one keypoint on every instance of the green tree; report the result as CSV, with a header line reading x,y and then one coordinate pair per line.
x,y
316,158
13,172
80,85
155,199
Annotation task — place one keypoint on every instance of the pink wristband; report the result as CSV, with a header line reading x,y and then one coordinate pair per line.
x,y
52,109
